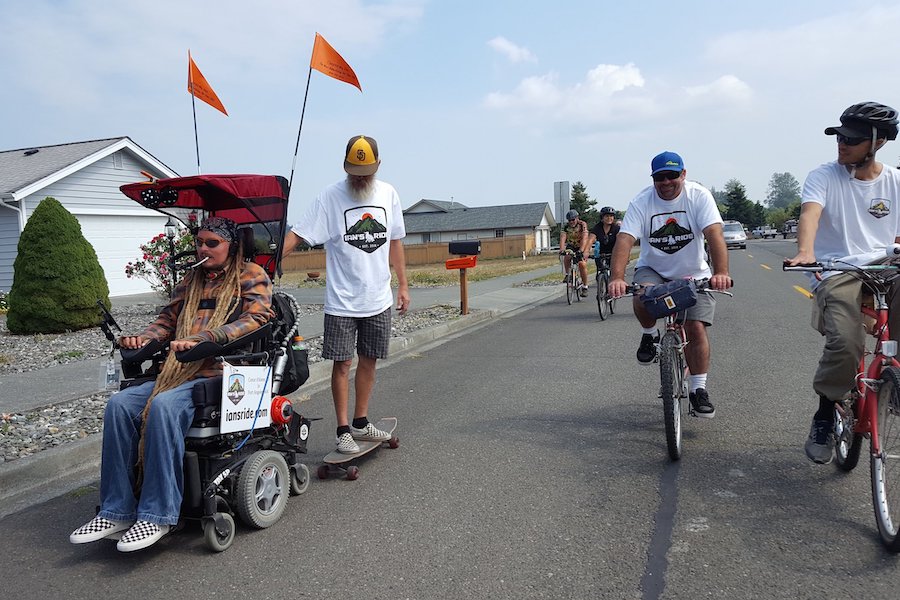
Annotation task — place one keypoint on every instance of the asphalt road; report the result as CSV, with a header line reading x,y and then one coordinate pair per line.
x,y
533,464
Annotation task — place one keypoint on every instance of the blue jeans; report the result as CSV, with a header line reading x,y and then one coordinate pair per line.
x,y
170,417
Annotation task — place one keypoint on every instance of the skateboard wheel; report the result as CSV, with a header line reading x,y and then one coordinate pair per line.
x,y
322,472
394,442
352,473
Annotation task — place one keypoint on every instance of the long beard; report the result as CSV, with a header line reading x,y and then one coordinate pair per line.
x,y
361,187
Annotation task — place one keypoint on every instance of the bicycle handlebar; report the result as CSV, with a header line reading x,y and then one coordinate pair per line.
x,y
702,286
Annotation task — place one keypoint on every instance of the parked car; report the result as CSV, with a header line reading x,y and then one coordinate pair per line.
x,y
765,231
735,237
789,229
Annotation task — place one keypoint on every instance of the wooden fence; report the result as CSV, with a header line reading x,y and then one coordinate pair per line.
x,y
421,254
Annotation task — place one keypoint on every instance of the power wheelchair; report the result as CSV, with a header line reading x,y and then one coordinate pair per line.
x,y
247,473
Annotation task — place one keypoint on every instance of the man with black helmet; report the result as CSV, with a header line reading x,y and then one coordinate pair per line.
x,y
574,237
849,212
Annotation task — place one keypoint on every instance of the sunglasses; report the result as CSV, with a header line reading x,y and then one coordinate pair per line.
x,y
199,243
851,141
666,176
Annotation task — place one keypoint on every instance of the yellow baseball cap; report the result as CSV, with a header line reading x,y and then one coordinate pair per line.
x,y
362,156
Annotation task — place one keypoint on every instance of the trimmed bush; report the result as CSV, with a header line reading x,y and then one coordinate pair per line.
x,y
57,278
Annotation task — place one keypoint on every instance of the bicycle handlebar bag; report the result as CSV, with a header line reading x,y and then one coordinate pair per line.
x,y
668,298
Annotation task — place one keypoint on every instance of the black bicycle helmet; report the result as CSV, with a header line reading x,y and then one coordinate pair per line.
x,y
571,215
859,119
607,210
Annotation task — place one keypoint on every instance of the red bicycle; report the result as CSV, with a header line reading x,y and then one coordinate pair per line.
x,y
873,407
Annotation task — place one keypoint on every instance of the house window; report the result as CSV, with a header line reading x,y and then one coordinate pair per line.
x,y
498,233
462,236
117,160
426,237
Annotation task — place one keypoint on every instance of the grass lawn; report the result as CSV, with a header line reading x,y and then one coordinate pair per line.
x,y
435,275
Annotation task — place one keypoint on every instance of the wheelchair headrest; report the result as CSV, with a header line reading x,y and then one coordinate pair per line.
x,y
247,241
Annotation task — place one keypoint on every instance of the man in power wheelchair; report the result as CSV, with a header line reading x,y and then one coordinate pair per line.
x,y
164,456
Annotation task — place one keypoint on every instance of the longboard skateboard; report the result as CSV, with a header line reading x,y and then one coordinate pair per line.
x,y
339,462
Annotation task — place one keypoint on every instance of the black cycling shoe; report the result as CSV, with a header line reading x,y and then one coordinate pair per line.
x,y
700,404
646,352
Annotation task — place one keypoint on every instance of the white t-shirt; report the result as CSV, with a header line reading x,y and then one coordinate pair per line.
x,y
356,235
671,231
859,218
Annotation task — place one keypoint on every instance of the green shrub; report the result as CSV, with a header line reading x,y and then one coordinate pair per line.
x,y
57,278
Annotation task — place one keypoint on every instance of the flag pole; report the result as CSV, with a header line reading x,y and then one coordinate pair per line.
x,y
194,110
299,129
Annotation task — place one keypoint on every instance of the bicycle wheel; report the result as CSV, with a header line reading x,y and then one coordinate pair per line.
x,y
570,285
885,465
671,376
602,296
577,283
847,443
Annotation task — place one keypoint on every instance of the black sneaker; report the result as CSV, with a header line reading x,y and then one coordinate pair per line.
x,y
700,404
820,443
646,352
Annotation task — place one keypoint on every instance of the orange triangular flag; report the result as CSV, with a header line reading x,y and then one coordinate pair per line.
x,y
199,87
325,59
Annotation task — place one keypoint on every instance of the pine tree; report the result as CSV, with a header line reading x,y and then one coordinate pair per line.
x,y
57,278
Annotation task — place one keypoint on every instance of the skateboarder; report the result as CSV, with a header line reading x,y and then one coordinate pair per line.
x,y
360,222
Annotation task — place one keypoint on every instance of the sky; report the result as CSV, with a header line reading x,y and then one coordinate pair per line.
x,y
476,101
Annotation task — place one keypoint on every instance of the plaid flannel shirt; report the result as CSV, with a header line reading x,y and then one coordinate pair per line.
x,y
255,311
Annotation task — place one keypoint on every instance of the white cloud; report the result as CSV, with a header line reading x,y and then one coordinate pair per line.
x,y
610,96
515,54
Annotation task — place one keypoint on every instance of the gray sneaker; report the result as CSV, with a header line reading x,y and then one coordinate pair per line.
x,y
346,444
820,443
369,433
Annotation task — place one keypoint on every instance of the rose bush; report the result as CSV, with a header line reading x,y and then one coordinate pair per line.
x,y
153,266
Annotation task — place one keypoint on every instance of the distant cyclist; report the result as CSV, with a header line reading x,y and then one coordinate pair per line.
x,y
605,231
574,237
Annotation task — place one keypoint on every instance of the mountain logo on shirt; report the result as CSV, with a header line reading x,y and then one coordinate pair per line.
x,y
880,207
366,233
668,236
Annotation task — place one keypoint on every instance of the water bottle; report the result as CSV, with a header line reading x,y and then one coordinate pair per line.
x,y
297,343
112,374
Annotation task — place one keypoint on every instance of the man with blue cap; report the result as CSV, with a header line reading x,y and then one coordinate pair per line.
x,y
672,218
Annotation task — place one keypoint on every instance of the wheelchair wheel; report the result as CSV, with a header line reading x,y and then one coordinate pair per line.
x,y
299,479
262,489
215,541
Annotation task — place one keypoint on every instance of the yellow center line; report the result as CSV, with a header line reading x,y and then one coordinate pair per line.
x,y
766,267
803,291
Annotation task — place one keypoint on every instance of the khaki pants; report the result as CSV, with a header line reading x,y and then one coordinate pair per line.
x,y
836,315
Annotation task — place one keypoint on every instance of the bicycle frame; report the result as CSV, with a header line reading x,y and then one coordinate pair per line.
x,y
868,379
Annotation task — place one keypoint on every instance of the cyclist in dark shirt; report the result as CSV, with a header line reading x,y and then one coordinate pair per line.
x,y
604,231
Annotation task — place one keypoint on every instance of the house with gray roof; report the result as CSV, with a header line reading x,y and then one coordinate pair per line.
x,y
85,178
442,221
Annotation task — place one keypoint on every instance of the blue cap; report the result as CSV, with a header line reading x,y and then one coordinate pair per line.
x,y
666,161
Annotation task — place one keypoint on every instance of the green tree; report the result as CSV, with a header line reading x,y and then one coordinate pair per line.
x,y
783,190
583,203
57,278
739,207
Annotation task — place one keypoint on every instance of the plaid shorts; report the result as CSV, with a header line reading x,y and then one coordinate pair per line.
x,y
369,336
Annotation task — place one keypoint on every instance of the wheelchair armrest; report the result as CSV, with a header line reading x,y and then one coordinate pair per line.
x,y
208,349
139,355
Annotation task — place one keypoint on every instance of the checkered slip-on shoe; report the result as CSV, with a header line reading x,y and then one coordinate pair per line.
x,y
370,433
97,529
141,535
346,445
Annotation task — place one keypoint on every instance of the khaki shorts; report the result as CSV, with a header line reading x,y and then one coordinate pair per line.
x,y
705,309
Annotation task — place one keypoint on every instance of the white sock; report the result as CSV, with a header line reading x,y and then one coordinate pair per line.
x,y
697,381
650,331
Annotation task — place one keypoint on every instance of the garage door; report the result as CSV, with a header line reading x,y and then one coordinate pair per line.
x,y
117,241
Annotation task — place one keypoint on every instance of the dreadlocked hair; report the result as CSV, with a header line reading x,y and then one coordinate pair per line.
x,y
174,372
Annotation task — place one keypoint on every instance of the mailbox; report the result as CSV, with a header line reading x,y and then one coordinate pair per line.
x,y
465,247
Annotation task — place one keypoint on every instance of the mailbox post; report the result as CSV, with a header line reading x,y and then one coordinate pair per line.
x,y
468,252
